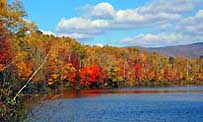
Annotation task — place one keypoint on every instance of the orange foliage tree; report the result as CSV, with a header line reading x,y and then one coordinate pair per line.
x,y
68,73
24,69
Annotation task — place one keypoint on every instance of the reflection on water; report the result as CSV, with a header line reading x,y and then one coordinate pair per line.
x,y
178,104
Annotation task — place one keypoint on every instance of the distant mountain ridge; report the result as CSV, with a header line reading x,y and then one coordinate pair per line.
x,y
191,50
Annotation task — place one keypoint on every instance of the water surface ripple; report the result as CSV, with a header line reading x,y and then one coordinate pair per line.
x,y
172,104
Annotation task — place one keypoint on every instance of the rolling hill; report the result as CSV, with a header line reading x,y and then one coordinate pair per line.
x,y
191,50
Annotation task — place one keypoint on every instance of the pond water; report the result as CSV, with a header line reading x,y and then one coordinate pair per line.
x,y
172,104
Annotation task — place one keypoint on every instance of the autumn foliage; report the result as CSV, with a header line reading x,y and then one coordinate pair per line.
x,y
24,69
71,64
5,51
137,71
68,73
89,75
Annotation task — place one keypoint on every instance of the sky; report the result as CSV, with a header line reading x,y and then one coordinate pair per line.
x,y
146,23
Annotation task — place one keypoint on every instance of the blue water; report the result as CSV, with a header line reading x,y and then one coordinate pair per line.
x,y
186,106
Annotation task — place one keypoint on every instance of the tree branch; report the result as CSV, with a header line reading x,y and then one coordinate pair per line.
x,y
31,77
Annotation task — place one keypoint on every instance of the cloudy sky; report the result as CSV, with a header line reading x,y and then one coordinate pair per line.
x,y
148,23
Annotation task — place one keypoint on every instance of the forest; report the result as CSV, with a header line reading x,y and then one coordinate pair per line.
x,y
46,63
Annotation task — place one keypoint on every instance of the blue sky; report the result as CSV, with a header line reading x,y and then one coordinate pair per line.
x,y
148,23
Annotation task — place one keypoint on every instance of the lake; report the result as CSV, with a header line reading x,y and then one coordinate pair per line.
x,y
170,104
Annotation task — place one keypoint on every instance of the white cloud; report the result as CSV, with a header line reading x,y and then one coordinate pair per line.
x,y
157,15
82,25
153,40
186,30
102,10
150,40
191,25
131,19
169,6
157,40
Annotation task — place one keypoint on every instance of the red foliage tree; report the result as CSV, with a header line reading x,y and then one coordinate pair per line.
x,y
5,51
137,71
89,74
